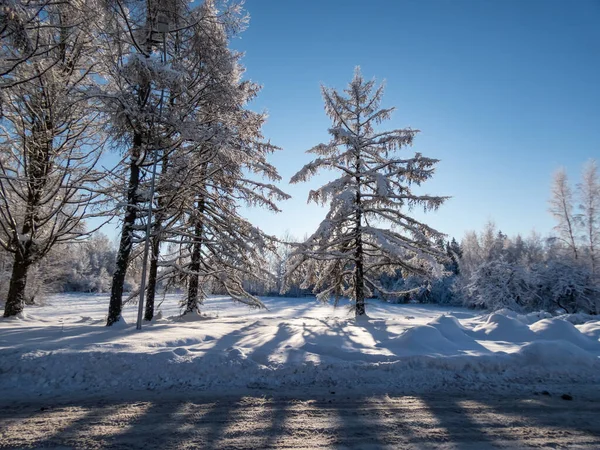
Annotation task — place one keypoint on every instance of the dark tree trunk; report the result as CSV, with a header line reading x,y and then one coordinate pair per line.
x,y
152,277
39,160
359,281
15,300
196,259
126,243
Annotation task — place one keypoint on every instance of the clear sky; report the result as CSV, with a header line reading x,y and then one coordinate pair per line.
x,y
504,93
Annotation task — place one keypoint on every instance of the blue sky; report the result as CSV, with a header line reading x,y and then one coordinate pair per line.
x,y
504,92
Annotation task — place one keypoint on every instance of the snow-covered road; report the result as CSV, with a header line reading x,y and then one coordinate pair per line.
x,y
331,420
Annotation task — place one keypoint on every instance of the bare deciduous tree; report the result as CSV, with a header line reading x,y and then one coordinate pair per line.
x,y
49,143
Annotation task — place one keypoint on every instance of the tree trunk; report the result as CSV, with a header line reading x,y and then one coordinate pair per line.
x,y
196,258
126,243
359,281
152,277
15,300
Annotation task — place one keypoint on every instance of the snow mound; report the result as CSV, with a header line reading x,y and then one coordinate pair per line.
x,y
423,339
188,317
182,342
561,353
120,324
450,328
23,316
505,312
590,329
499,327
558,329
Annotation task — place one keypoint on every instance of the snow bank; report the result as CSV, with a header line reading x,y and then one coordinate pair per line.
x,y
590,329
499,327
557,353
451,329
297,343
34,373
558,329
421,340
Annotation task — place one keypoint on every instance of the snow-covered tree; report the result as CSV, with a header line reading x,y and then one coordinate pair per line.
x,y
561,207
497,284
214,170
145,79
567,286
126,38
22,40
49,142
589,197
368,229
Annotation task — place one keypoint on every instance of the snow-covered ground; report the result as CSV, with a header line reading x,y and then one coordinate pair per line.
x,y
64,348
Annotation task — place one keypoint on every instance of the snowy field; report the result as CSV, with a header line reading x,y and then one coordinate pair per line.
x,y
63,348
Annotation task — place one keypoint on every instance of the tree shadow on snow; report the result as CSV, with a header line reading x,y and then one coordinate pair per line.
x,y
333,420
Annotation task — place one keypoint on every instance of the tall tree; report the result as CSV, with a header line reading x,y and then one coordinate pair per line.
x,y
49,143
353,245
589,196
561,207
135,95
211,172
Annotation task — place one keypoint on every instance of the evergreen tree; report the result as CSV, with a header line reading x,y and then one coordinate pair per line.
x,y
352,246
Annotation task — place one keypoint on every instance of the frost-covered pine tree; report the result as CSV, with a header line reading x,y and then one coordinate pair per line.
x,y
368,229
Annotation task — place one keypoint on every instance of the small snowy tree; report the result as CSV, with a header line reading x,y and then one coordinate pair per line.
x,y
561,207
353,246
589,196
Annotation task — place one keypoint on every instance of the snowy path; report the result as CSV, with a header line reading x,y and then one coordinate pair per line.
x,y
335,420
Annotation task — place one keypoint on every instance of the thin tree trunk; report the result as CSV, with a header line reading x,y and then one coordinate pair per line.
x,y
155,247
359,281
116,295
15,300
570,228
152,277
591,239
196,259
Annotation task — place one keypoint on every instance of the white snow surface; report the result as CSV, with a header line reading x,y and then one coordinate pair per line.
x,y
64,348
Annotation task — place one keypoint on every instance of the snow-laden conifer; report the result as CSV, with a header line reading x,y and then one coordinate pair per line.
x,y
369,228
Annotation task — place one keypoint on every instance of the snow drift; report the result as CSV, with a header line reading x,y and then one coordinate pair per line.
x,y
63,348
